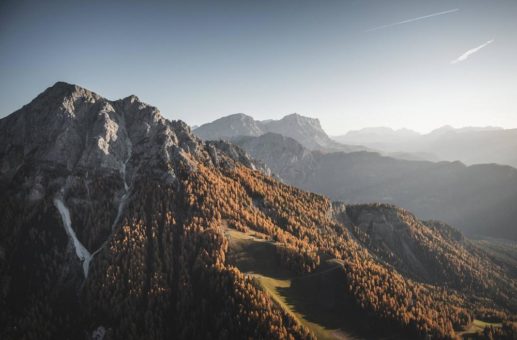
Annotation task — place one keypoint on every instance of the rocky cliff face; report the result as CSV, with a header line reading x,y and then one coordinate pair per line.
x,y
84,153
286,158
74,129
305,130
230,126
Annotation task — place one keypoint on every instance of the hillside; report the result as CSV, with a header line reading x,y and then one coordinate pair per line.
x,y
115,225
478,199
427,251
317,299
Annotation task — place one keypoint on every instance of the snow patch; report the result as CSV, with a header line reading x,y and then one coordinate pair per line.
x,y
82,253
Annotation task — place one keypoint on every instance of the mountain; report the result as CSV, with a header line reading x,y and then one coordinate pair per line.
x,y
381,134
422,250
470,145
305,130
283,155
120,224
478,199
230,126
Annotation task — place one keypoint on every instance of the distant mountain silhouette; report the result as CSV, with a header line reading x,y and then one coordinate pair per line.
x,y
470,145
307,131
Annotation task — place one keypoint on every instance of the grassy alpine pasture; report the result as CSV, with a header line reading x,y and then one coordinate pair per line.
x,y
316,300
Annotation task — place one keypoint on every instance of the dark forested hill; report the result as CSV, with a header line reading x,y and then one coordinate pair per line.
x,y
113,222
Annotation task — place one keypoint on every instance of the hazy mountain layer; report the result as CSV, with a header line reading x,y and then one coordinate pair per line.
x,y
469,145
477,199
307,131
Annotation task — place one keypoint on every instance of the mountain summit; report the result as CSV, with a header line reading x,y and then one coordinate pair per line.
x,y
230,126
305,130
75,128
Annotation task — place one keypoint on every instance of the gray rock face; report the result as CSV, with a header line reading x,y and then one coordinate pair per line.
x,y
68,126
237,154
306,131
230,126
283,155
83,152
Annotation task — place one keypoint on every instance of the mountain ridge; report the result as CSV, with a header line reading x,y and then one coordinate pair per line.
x,y
305,130
471,145
475,198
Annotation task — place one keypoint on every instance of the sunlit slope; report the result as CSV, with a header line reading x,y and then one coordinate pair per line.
x,y
316,300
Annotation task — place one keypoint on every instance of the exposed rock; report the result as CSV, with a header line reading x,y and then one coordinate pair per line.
x,y
306,131
230,126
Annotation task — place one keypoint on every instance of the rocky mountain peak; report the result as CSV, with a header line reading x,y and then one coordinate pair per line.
x,y
63,89
240,116
303,120
305,130
230,126
131,99
74,128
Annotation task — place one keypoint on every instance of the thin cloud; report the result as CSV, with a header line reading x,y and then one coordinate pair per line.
x,y
412,20
470,52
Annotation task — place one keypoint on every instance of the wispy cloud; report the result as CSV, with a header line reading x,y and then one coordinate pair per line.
x,y
412,20
470,52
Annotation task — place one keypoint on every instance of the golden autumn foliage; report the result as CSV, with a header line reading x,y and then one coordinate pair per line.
x,y
163,272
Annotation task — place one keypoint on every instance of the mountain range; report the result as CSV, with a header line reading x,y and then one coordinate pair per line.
x,y
118,223
478,199
470,145
306,130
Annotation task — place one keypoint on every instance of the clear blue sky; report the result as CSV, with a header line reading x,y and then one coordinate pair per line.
x,y
199,60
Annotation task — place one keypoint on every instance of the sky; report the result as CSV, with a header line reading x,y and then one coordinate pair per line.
x,y
352,64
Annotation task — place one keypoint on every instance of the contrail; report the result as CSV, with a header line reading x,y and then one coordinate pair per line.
x,y
412,20
470,52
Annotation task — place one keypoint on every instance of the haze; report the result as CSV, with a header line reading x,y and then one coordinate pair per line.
x,y
352,64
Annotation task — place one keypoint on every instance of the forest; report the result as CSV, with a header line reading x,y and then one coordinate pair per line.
x,y
163,273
